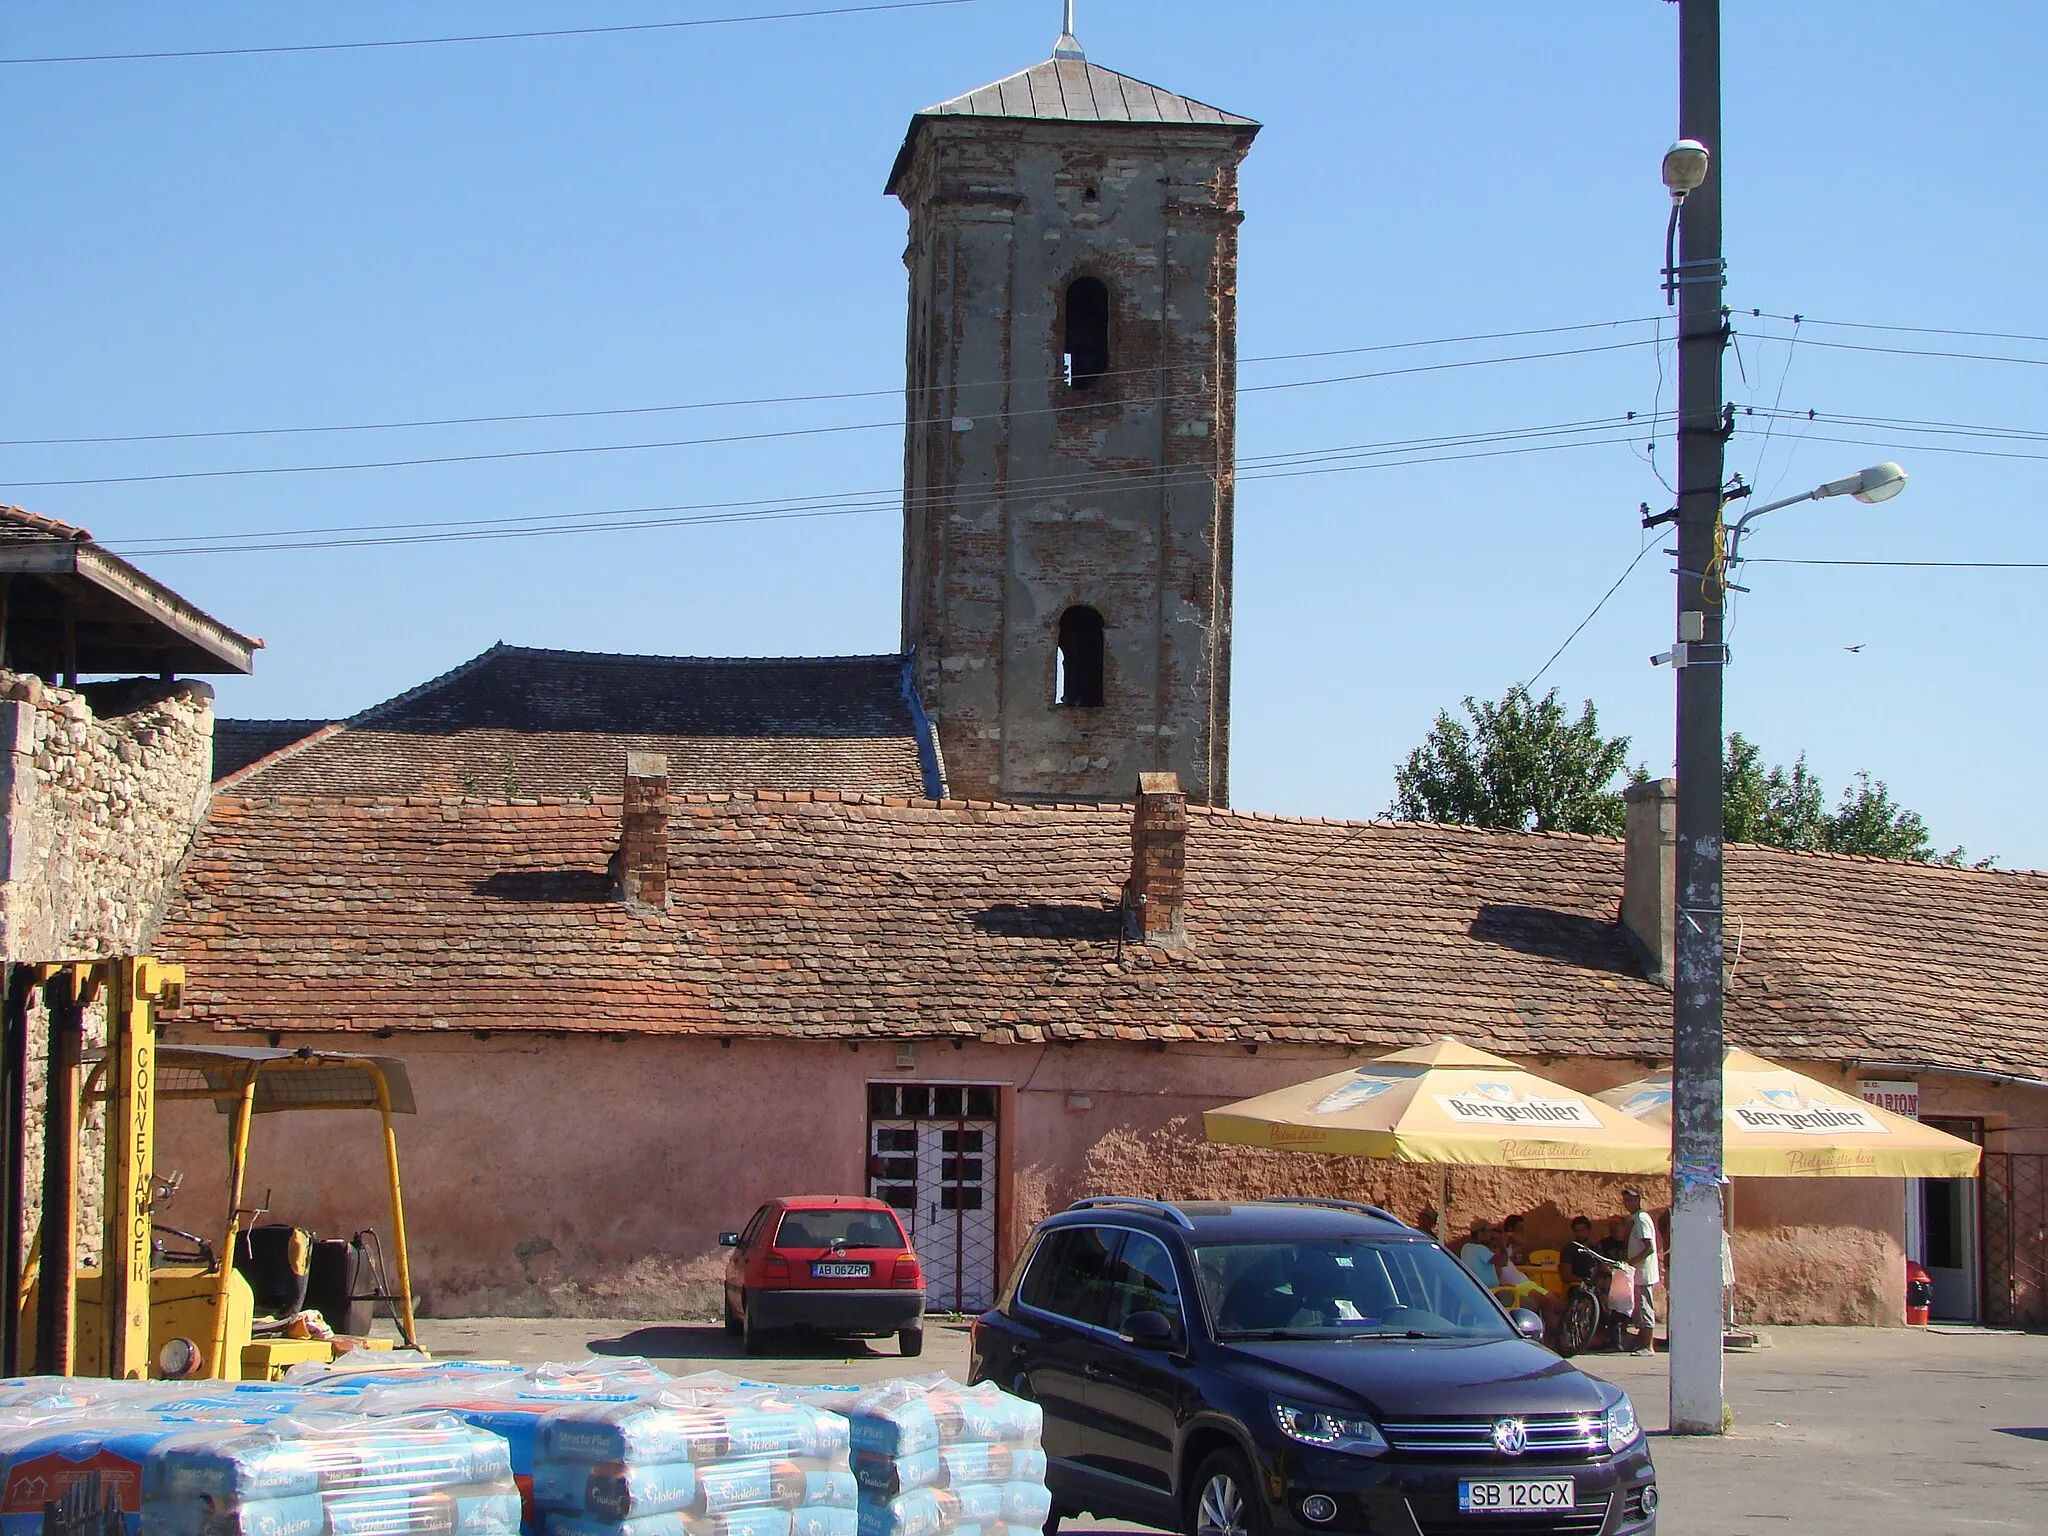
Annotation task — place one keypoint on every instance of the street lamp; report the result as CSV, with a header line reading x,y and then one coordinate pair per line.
x,y
1880,482
1685,167
1685,170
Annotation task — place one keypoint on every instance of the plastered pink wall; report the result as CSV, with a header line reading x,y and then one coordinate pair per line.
x,y
591,1176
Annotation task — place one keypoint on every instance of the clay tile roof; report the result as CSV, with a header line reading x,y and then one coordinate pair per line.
x,y
537,723
238,743
16,524
856,915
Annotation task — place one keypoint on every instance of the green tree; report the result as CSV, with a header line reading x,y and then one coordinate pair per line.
x,y
1788,808
1781,807
1521,763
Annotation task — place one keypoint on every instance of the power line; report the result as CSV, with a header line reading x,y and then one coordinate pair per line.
x,y
1967,357
1911,565
1072,481
1909,424
846,504
790,432
491,37
1627,572
1971,453
841,504
1911,330
708,405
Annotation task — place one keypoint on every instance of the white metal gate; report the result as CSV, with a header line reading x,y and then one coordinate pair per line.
x,y
932,1156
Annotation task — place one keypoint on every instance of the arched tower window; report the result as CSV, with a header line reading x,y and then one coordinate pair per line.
x,y
1078,683
1086,345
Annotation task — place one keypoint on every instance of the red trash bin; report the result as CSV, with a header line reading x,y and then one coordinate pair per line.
x,y
1919,1294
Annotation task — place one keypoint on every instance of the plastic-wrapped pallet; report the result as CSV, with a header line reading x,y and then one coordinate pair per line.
x,y
423,1475
934,1458
83,1445
85,1460
511,1403
712,1459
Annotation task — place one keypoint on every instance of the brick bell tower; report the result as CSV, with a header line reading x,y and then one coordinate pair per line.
x,y
1068,478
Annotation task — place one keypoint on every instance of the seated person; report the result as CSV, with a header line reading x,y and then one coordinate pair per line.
x,y
1476,1253
1526,1292
1581,1267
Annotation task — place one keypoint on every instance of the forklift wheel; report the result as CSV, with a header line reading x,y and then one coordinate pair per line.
x,y
910,1342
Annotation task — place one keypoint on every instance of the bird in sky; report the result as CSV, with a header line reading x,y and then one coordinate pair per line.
x,y
1853,648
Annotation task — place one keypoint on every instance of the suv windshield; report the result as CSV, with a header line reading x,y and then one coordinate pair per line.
x,y
838,1229
1356,1287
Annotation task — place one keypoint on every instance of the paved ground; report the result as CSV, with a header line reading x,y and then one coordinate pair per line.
x,y
1866,1432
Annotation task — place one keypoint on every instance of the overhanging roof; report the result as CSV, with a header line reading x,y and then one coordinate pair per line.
x,y
71,606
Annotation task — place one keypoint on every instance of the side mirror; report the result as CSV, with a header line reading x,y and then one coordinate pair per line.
x,y
728,1239
1527,1324
1150,1330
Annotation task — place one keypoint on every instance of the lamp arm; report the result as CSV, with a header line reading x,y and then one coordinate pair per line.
x,y
1735,529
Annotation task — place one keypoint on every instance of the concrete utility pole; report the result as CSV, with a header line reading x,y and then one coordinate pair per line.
x,y
1694,1280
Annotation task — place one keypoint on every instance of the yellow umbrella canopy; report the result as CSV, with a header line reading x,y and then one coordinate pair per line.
x,y
1445,1103
1777,1123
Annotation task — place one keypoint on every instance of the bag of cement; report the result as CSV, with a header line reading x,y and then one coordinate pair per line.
x,y
512,1405
421,1475
300,1515
90,1461
949,1466
934,1458
699,1427
899,1418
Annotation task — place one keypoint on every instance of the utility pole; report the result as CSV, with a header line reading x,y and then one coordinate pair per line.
x,y
1694,1279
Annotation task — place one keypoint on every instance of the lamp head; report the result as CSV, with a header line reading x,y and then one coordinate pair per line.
x,y
1685,166
1880,482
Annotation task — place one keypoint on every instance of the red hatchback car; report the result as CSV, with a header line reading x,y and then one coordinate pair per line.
x,y
835,1263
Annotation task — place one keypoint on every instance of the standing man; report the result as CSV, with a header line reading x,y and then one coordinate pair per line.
x,y
1642,1258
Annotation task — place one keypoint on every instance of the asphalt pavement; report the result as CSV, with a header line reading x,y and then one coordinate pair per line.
x,y
1861,1431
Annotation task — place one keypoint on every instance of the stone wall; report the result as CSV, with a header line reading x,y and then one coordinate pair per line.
x,y
101,790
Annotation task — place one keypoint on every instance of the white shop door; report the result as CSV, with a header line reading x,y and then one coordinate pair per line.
x,y
932,1157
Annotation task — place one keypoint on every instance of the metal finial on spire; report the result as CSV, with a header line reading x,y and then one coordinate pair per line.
x,y
1068,47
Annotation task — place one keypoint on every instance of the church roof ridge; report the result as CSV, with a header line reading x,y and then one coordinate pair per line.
x,y
1070,88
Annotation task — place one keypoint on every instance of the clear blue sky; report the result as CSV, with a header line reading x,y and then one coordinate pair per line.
x,y
661,218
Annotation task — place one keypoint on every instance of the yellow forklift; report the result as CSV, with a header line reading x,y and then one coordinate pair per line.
x,y
171,1304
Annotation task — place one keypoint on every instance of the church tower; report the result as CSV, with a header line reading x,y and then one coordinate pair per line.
x,y
1068,478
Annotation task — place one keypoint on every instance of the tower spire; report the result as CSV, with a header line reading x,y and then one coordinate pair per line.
x,y
1068,47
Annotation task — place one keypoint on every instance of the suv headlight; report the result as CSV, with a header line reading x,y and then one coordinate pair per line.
x,y
1620,1423
1327,1430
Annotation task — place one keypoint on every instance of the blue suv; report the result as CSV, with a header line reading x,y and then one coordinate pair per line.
x,y
1286,1366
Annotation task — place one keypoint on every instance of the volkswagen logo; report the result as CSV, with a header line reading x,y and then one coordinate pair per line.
x,y
1510,1436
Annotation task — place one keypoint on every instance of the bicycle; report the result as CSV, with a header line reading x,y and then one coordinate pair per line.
x,y
1589,1313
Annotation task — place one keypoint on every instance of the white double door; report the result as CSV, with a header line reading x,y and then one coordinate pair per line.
x,y
940,1177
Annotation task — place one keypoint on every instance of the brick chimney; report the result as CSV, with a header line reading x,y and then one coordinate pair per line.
x,y
1649,875
1157,893
643,831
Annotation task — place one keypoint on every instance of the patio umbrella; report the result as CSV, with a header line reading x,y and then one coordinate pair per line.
x,y
1447,1104
1777,1123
